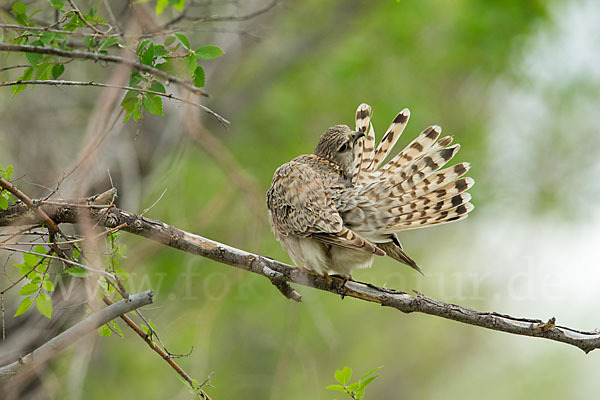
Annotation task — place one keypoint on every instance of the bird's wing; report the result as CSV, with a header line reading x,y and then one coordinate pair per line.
x,y
301,204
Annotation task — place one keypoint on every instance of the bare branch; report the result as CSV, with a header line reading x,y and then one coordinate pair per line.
x,y
402,301
76,332
102,57
235,17
53,82
161,352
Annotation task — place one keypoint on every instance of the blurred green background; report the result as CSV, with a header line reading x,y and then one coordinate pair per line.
x,y
515,82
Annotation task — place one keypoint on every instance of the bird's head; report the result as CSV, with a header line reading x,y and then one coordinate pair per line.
x,y
337,145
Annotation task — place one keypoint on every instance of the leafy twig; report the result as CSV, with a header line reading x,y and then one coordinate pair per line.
x,y
54,82
102,57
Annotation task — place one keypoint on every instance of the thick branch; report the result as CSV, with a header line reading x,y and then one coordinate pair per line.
x,y
168,235
76,332
101,57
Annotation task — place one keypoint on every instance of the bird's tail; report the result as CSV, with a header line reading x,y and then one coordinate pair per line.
x,y
411,190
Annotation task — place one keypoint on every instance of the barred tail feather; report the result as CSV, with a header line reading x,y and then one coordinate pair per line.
x,y
415,149
390,138
397,182
437,181
437,218
364,146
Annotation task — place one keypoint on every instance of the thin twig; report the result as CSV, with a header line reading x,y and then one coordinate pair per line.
x,y
234,17
64,260
165,356
54,82
155,203
73,241
14,67
86,22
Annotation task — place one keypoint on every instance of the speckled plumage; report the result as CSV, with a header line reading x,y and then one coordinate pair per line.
x,y
334,210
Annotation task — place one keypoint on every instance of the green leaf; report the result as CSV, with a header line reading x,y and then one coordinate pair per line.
x,y
137,112
130,101
148,55
24,306
48,286
339,388
19,8
76,254
159,50
160,6
44,305
370,372
104,331
3,202
153,104
185,42
116,327
343,376
25,77
58,4
57,70
73,23
135,78
47,37
78,272
108,43
30,259
142,46
177,4
35,58
364,383
156,87
353,386
169,41
88,41
28,289
190,64
199,77
43,71
43,267
208,52
360,394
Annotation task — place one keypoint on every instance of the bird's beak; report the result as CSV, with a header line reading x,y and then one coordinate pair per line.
x,y
357,135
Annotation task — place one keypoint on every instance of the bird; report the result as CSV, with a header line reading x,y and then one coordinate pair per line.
x,y
338,208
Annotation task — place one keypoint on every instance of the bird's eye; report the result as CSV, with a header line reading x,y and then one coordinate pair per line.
x,y
343,148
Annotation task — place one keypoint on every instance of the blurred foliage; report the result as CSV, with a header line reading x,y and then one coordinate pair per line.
x,y
314,64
